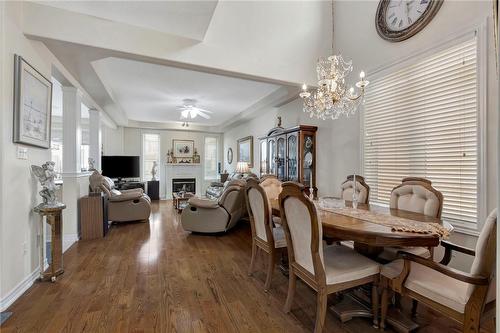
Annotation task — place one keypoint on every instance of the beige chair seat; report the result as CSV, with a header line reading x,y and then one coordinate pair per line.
x,y
343,264
429,283
279,237
276,220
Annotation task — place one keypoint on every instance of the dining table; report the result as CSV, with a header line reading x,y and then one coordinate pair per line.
x,y
369,237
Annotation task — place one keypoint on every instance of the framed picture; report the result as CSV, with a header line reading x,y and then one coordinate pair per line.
x,y
32,105
183,149
244,151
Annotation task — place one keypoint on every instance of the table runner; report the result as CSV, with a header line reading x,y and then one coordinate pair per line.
x,y
394,222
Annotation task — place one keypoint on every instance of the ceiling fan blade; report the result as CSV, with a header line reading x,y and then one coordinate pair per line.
x,y
203,110
203,115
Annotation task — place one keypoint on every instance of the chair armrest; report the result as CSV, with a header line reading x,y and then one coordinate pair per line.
x,y
448,271
203,203
449,247
126,196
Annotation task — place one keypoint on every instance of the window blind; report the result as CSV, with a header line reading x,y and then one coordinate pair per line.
x,y
210,158
150,154
422,121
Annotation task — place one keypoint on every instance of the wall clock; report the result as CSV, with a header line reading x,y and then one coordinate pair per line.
x,y
397,20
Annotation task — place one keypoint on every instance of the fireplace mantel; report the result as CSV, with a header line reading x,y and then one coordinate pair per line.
x,y
188,170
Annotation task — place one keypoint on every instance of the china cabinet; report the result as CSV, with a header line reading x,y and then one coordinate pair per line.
x,y
290,154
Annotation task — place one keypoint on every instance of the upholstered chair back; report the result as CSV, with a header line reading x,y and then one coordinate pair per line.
x,y
362,188
303,229
485,258
417,195
272,186
259,210
100,183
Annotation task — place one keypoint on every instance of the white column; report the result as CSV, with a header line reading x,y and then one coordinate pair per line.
x,y
95,137
72,138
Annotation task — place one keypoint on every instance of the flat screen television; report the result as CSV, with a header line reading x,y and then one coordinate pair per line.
x,y
120,166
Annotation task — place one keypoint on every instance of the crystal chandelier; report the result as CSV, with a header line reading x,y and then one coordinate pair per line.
x,y
332,99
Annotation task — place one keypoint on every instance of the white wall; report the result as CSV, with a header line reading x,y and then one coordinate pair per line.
x,y
19,251
132,145
338,142
112,140
19,190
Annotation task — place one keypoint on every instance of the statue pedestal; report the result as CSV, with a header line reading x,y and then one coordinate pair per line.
x,y
53,217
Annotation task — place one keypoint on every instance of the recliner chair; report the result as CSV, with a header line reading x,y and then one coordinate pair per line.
x,y
125,205
210,216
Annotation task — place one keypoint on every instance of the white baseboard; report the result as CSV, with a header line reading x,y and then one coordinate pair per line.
x,y
69,240
18,290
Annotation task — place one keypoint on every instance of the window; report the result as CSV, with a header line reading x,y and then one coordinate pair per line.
x,y
210,158
422,120
56,139
150,154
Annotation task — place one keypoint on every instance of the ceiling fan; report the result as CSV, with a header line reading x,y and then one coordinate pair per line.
x,y
189,110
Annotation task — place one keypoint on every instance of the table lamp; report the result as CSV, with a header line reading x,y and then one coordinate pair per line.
x,y
242,167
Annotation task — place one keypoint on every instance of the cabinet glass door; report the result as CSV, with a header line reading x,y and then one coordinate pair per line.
x,y
281,158
263,157
308,163
271,153
292,167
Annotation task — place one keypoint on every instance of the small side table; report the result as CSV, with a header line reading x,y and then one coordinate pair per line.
x,y
53,217
180,200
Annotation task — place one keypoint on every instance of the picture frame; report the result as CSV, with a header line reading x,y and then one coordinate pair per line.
x,y
32,105
183,149
244,151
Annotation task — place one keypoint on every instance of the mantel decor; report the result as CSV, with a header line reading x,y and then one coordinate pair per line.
x,y
32,105
183,152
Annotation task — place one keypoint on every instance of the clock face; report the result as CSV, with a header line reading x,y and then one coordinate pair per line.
x,y
401,14
397,20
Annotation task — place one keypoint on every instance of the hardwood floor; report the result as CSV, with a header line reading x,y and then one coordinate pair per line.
x,y
155,277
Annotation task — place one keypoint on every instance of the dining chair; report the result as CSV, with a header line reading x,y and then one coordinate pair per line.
x,y
416,195
265,234
272,187
362,188
326,270
464,297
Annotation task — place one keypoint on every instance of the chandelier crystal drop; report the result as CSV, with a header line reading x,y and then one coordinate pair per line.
x,y
332,99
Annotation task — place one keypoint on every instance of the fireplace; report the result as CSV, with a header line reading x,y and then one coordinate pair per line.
x,y
178,184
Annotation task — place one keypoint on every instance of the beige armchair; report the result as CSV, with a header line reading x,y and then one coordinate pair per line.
x,y
208,216
126,205
464,297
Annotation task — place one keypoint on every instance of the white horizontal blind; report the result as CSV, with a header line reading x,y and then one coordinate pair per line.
x,y
422,121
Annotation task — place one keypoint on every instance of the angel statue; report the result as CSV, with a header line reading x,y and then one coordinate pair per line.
x,y
154,170
46,176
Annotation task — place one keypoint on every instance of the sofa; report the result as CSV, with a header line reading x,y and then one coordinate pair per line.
x,y
212,216
215,190
125,205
